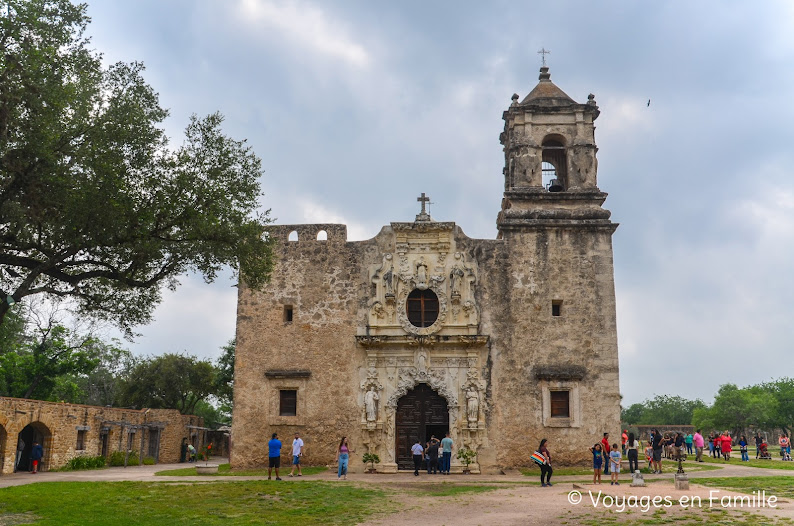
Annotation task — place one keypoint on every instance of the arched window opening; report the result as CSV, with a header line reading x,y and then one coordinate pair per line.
x,y
554,165
293,236
422,308
322,235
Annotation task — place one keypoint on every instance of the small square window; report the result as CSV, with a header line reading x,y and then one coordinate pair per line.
x,y
556,308
560,404
80,440
288,402
287,313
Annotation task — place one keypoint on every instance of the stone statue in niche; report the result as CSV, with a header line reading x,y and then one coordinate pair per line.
x,y
472,405
388,281
456,277
371,404
422,361
421,274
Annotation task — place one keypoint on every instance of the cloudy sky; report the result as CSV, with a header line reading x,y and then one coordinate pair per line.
x,y
356,107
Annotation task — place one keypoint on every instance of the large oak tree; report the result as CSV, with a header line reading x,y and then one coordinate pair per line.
x,y
95,205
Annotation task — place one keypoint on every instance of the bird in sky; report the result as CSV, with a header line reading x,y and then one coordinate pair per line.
x,y
649,103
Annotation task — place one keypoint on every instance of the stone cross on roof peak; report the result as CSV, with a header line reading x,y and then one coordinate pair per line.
x,y
543,52
423,215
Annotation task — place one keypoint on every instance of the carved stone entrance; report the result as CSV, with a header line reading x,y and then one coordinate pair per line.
x,y
420,413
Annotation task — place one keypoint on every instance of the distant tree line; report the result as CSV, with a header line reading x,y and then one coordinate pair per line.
x,y
40,358
764,406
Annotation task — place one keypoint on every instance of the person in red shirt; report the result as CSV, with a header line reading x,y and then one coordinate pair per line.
x,y
624,438
606,448
726,445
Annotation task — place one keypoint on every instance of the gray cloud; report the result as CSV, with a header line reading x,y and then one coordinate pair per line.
x,y
357,107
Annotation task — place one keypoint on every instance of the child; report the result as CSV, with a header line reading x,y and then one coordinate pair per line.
x,y
614,463
598,458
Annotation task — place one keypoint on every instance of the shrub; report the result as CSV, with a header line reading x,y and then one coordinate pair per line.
x,y
149,461
117,458
84,462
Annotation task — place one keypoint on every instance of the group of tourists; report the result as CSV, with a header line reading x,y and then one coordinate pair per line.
x,y
429,453
274,455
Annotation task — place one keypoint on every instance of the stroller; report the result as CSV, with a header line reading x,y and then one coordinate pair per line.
x,y
763,451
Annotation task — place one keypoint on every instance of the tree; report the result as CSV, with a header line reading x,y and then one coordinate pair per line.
x,y
102,384
662,410
95,206
782,415
171,381
224,380
36,364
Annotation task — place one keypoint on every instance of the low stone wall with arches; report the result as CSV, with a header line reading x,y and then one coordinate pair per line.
x,y
69,430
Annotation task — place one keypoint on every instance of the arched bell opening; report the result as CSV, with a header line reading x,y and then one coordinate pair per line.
x,y
554,165
420,414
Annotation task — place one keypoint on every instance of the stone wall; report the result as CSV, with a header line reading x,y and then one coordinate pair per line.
x,y
57,426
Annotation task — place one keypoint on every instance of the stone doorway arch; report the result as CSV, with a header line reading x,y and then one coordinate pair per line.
x,y
34,432
420,413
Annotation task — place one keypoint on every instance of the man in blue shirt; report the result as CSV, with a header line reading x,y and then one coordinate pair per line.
x,y
274,455
446,454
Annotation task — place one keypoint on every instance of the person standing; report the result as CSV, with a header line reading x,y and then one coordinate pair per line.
x,y
545,469
432,456
698,442
726,446
417,451
657,445
717,445
623,439
688,441
614,461
743,449
605,448
36,455
343,458
632,447
297,453
678,445
758,441
598,459
446,454
273,455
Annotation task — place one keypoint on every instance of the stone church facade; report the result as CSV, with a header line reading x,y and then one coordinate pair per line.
x,y
422,330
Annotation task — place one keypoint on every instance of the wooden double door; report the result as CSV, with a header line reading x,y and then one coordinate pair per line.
x,y
421,413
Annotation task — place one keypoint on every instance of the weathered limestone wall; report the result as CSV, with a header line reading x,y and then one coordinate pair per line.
x,y
59,424
321,280
576,350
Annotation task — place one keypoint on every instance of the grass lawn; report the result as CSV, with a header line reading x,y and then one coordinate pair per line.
x,y
221,503
224,470
782,487
736,460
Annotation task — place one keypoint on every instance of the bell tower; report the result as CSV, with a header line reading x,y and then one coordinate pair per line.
x,y
550,160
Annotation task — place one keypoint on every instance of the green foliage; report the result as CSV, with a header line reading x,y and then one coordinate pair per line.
x,y
169,381
96,207
224,380
466,456
84,462
117,458
149,461
38,363
737,409
371,459
214,417
662,410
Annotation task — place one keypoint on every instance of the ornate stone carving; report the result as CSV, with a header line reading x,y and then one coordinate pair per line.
x,y
410,377
371,398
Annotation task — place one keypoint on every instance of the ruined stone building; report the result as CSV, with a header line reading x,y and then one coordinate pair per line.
x,y
422,330
69,430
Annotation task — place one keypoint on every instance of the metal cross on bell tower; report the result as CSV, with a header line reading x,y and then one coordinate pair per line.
x,y
543,52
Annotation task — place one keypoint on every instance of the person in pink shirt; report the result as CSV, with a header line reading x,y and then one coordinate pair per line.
x,y
699,443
